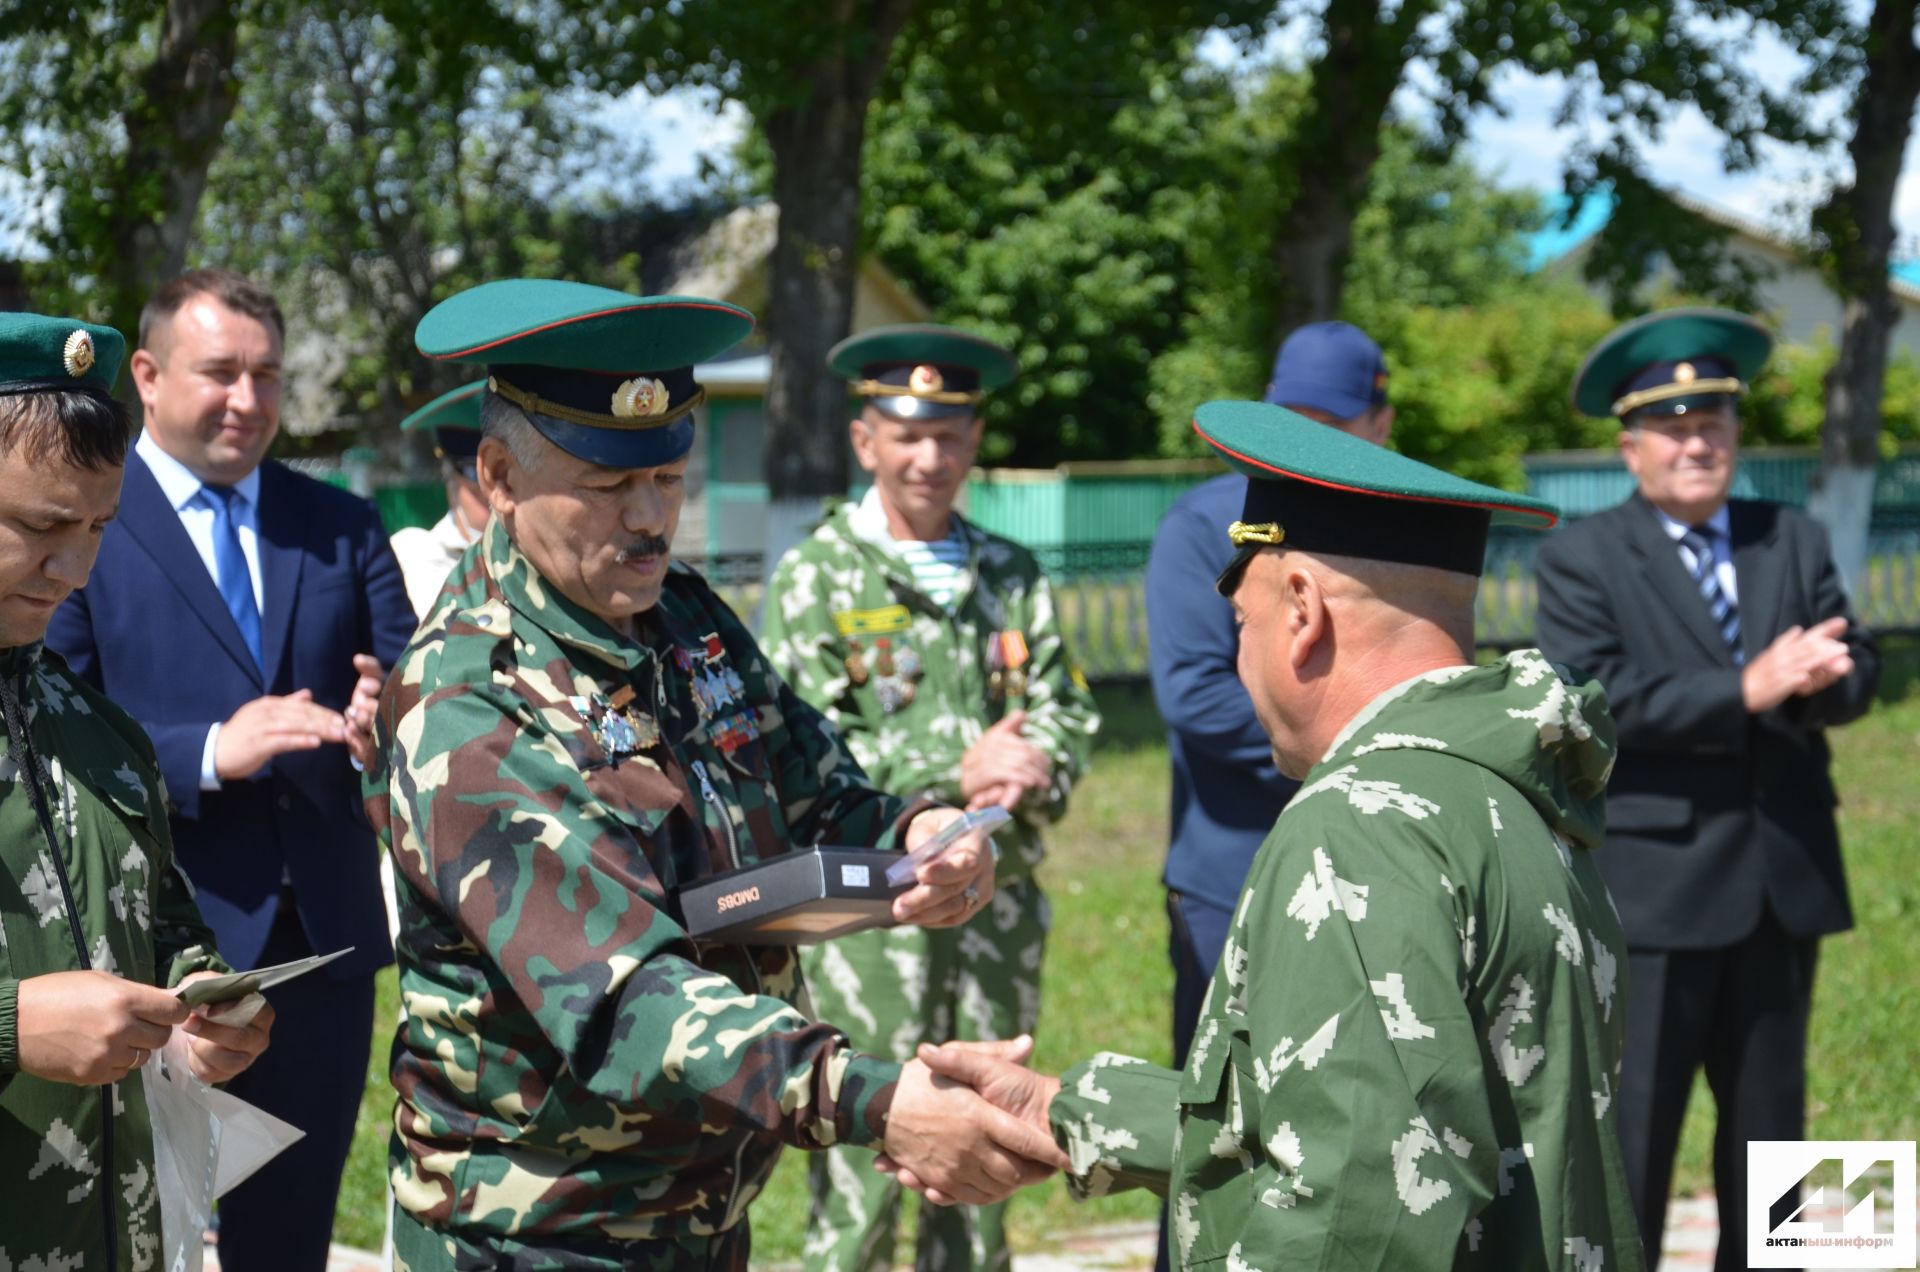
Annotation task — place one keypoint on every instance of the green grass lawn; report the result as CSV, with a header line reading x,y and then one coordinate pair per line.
x,y
1107,981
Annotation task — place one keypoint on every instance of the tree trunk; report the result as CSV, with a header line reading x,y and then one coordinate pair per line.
x,y
1857,224
816,144
1332,154
185,97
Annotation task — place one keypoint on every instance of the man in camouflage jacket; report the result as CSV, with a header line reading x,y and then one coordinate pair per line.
x,y
1408,1055
934,648
94,917
576,731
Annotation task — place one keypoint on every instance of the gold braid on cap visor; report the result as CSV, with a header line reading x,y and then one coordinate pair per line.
x,y
1269,533
1664,392
534,404
948,397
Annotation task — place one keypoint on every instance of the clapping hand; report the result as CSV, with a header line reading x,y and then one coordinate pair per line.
x,y
955,1144
1799,662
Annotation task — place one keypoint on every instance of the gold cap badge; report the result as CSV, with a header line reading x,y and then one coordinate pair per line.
x,y
1685,374
78,355
926,379
639,398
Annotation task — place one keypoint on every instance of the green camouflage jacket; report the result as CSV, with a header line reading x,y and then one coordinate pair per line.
x,y
841,605
76,1163
571,1063
1408,1056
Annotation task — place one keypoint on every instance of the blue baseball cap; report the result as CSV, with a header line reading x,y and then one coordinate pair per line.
x,y
1332,367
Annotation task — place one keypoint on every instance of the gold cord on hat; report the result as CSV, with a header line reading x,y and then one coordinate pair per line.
x,y
1688,387
1270,533
949,397
534,404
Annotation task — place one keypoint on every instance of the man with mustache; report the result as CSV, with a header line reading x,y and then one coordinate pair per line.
x,y
579,729
1722,633
935,649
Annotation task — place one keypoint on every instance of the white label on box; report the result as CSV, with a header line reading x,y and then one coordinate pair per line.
x,y
854,877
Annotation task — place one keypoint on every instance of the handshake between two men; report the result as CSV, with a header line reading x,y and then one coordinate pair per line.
x,y
969,1124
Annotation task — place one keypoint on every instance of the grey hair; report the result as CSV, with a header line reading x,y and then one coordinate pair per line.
x,y
508,424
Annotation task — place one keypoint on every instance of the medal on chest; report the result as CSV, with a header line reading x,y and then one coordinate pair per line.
x,y
1007,658
618,727
719,694
896,672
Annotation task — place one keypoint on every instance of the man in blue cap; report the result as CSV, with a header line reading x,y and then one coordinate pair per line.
x,y
579,728
1226,790
1723,635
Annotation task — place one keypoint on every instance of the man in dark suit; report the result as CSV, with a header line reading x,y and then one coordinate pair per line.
x,y
242,614
1722,634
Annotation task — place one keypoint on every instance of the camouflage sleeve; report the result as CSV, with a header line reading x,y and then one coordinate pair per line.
x,y
1346,1074
1061,716
1117,1117
491,820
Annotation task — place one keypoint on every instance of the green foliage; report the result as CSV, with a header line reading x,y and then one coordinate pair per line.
x,y
365,184
1787,407
1074,256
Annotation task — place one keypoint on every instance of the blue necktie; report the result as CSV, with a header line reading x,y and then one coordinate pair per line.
x,y
1720,606
230,563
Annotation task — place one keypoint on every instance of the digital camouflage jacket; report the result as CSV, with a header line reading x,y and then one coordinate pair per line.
x,y
76,1163
846,625
571,1064
1407,1057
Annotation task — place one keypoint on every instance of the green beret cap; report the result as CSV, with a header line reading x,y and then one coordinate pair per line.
x,y
1669,356
38,353
917,371
605,376
1318,489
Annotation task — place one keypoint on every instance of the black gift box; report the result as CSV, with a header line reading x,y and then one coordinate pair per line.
x,y
798,898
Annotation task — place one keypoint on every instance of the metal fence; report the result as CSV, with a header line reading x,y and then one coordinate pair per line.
x,y
1100,591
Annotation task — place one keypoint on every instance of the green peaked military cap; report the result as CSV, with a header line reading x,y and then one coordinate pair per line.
x,y
454,417
1318,489
38,353
604,375
1671,360
922,370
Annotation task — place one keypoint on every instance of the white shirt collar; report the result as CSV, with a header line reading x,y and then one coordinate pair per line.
x,y
1719,523
178,482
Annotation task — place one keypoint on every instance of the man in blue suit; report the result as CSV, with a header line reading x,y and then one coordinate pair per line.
x,y
242,614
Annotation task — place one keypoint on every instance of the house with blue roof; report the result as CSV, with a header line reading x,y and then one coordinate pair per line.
x,y
1796,300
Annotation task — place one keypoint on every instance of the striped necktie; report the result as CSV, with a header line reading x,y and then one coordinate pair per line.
x,y
1720,607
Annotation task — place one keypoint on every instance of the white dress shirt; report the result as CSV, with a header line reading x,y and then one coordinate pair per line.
x,y
182,490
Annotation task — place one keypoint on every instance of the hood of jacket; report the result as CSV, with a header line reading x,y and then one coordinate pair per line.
x,y
1530,722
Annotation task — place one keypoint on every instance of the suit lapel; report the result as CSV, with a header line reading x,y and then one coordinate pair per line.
x,y
1759,571
1669,580
155,527
281,552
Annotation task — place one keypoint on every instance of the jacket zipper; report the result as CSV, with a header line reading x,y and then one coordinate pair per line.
x,y
712,797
